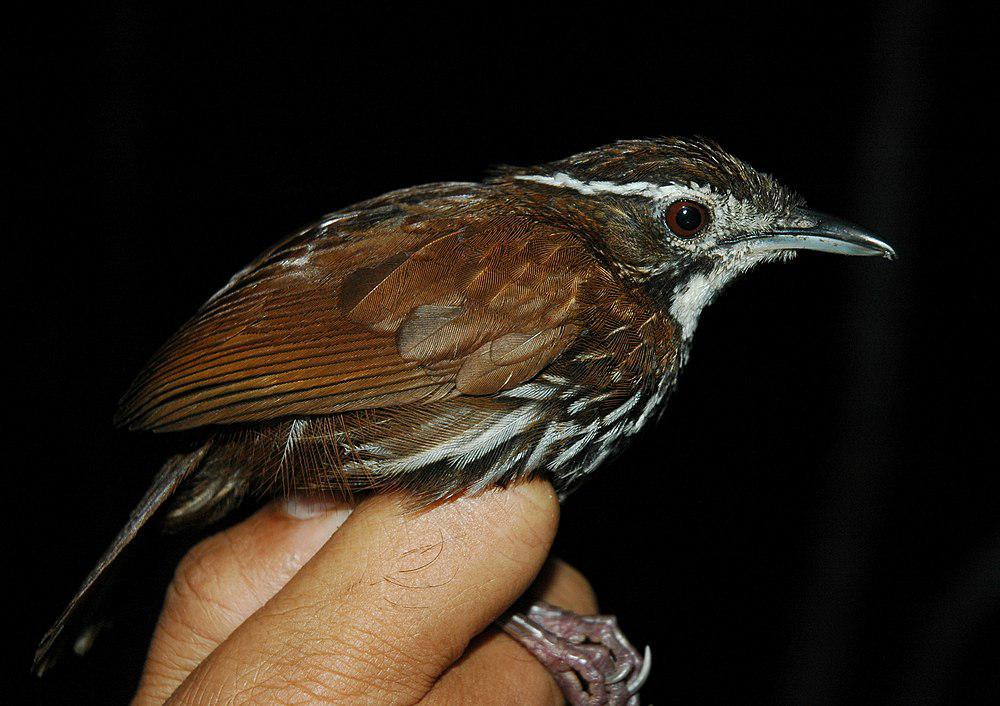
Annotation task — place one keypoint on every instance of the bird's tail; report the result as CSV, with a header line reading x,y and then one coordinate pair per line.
x,y
56,640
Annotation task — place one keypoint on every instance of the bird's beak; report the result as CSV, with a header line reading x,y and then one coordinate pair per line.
x,y
810,230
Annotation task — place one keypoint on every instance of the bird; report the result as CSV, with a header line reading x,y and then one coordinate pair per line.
x,y
453,337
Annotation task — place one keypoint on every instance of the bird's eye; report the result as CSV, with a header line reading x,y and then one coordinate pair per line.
x,y
686,218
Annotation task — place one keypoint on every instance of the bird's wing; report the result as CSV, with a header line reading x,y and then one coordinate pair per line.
x,y
396,303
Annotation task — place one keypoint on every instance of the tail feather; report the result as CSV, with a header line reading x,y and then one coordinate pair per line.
x,y
172,474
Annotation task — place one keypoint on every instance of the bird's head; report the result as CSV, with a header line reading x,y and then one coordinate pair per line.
x,y
683,217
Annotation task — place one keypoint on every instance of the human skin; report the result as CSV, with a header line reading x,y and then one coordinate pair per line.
x,y
297,605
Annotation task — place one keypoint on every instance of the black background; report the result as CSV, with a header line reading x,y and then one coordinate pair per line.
x,y
814,520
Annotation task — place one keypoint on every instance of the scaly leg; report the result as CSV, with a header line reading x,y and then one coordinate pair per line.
x,y
591,660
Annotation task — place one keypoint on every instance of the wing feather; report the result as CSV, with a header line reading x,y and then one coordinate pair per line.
x,y
408,306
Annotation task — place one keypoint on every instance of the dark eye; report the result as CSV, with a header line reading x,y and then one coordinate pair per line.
x,y
686,218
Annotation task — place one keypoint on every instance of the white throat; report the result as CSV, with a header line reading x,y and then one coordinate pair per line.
x,y
698,291
695,294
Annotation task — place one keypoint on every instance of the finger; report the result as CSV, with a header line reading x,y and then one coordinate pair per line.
x,y
497,670
225,579
388,603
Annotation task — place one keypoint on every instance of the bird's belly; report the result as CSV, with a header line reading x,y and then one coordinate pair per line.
x,y
438,450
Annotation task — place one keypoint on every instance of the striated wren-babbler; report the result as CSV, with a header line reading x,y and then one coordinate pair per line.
x,y
447,338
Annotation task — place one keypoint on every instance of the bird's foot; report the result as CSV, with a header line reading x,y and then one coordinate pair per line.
x,y
591,660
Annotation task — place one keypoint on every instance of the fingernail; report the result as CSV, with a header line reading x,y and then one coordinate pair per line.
x,y
306,507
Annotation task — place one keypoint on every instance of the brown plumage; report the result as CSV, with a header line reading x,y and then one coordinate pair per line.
x,y
450,337
421,305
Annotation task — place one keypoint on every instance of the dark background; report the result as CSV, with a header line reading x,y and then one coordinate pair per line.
x,y
813,521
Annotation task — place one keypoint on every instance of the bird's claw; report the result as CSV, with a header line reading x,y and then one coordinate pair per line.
x,y
588,655
636,683
623,671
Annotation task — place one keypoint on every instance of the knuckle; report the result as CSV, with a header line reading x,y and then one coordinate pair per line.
x,y
190,596
204,581
193,577
197,612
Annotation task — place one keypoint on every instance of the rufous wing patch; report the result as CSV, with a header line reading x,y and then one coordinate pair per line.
x,y
341,324
510,360
428,333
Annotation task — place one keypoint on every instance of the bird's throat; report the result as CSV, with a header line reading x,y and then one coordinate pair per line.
x,y
696,292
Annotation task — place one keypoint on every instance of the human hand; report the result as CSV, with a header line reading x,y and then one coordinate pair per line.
x,y
390,609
